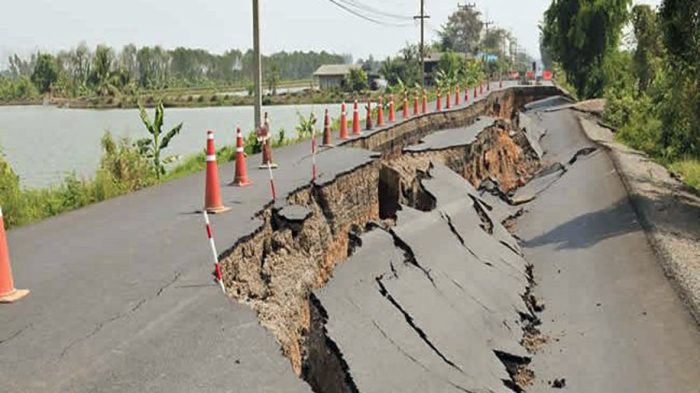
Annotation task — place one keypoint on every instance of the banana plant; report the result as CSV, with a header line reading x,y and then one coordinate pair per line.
x,y
444,81
152,147
472,74
306,127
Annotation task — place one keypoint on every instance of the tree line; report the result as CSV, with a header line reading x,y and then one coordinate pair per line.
x,y
104,71
467,48
650,77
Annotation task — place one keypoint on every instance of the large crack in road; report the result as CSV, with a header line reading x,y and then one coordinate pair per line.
x,y
450,280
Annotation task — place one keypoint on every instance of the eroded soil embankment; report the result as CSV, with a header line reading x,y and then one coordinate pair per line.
x,y
275,269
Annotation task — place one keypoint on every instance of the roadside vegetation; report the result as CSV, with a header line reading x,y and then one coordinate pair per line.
x,y
648,76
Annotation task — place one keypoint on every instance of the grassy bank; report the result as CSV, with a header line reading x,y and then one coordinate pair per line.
x,y
688,170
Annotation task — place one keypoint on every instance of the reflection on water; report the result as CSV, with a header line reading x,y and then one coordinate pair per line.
x,y
43,143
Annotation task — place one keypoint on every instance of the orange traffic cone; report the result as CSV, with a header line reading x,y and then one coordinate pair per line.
x,y
416,101
356,120
438,103
265,137
380,112
343,123
8,293
392,110
212,192
368,123
448,99
457,96
241,178
425,102
327,130
406,113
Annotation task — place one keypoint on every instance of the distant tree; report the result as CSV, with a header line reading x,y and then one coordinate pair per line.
x,y
580,33
494,41
101,73
128,62
152,147
357,80
462,31
273,78
45,72
405,68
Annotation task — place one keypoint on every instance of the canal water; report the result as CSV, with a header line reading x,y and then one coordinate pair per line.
x,y
44,143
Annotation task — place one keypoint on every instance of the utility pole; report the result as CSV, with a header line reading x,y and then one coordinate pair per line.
x,y
257,64
422,18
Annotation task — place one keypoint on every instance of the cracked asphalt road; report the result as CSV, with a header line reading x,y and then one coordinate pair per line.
x,y
121,293
612,319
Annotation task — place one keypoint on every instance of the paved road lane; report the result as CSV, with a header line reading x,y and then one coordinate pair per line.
x,y
613,320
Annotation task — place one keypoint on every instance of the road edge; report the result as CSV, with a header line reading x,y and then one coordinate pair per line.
x,y
684,278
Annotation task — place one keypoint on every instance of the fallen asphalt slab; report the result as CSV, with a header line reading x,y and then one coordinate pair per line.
x,y
434,300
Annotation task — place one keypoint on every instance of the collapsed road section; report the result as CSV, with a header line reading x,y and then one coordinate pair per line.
x,y
397,273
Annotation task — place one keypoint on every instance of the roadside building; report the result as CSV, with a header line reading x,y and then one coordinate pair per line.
x,y
332,76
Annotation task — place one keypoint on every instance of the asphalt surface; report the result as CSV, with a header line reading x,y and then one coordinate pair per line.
x,y
122,298
425,308
612,320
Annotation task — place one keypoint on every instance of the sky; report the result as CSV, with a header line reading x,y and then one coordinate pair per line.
x,y
218,25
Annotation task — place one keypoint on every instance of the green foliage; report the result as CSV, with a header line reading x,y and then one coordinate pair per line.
x,y
356,80
10,195
689,171
680,109
251,140
273,78
680,113
122,170
636,121
649,52
404,69
19,88
681,28
45,72
152,147
306,127
579,34
472,73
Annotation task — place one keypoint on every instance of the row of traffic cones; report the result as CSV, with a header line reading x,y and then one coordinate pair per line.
x,y
213,202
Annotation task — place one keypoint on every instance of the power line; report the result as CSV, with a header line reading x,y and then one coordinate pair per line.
x,y
347,7
369,8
